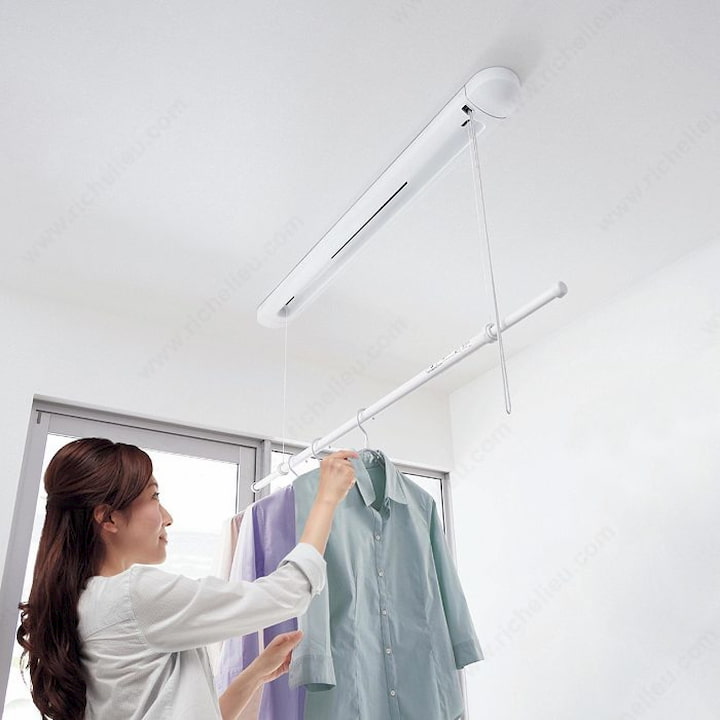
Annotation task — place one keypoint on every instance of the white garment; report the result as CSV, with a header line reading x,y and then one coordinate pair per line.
x,y
144,633
225,549
221,568
244,552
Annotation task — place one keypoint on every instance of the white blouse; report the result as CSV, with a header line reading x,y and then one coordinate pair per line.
x,y
144,633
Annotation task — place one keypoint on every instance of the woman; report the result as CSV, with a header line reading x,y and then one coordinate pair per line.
x,y
109,636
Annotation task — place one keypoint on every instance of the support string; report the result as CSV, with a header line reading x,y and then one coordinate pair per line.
x,y
482,224
285,364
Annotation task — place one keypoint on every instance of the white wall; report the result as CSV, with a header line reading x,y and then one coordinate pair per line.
x,y
587,521
83,356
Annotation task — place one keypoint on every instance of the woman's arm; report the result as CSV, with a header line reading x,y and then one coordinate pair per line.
x,y
177,613
272,662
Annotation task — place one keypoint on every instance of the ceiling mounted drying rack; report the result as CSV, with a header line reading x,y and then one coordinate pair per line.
x,y
489,335
484,102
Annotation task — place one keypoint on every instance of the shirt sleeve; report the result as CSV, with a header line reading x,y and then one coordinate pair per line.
x,y
457,614
176,613
311,664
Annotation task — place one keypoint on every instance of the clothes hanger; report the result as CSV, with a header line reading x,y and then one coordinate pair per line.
x,y
367,455
362,429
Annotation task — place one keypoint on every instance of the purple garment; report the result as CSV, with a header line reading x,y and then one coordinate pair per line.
x,y
274,538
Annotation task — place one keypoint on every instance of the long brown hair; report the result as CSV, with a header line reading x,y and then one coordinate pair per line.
x,y
81,475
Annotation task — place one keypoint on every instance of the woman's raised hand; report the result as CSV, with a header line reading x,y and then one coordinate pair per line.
x,y
337,476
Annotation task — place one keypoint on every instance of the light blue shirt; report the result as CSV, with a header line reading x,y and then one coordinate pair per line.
x,y
386,636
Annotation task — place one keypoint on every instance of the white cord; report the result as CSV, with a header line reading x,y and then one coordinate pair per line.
x,y
482,222
285,364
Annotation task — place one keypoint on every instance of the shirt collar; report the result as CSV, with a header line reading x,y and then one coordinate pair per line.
x,y
393,484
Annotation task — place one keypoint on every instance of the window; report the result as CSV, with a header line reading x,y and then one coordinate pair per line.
x,y
199,494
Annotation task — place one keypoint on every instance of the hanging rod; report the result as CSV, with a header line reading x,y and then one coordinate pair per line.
x,y
487,336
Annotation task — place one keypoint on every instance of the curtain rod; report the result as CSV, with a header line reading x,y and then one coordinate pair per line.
x,y
487,336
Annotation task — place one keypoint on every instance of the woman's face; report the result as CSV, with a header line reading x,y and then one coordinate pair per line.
x,y
141,535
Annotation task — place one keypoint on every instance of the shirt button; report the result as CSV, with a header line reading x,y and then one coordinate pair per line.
x,y
384,611
380,573
377,537
393,693
388,651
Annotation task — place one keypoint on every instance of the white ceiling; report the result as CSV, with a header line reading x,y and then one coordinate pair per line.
x,y
151,152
